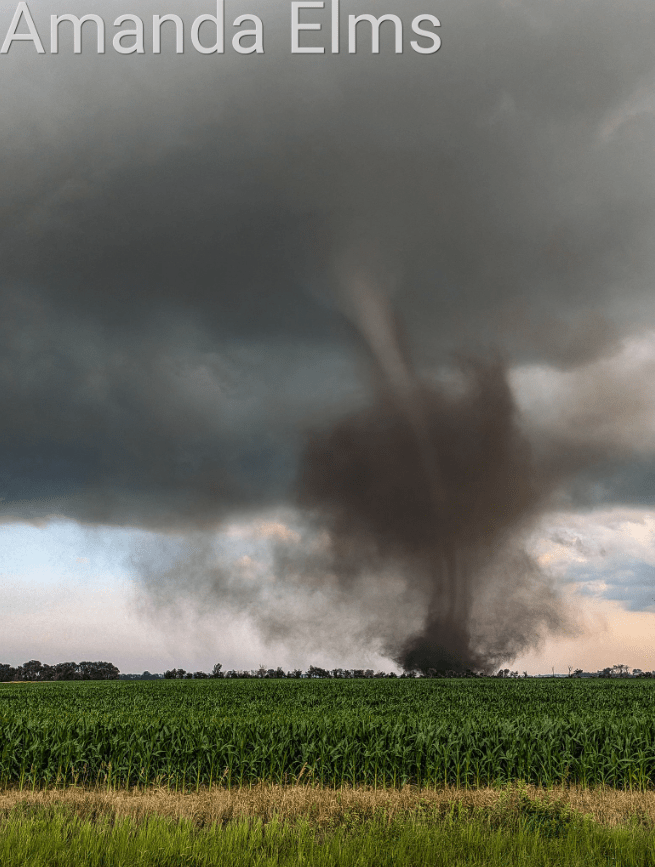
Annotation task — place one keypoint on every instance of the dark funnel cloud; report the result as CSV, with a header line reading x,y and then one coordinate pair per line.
x,y
183,239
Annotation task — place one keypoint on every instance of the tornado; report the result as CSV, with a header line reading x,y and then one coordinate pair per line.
x,y
435,481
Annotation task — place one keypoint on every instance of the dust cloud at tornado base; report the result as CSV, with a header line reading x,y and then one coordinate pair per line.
x,y
440,509
414,513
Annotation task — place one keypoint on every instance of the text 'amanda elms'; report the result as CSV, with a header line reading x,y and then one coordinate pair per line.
x,y
208,32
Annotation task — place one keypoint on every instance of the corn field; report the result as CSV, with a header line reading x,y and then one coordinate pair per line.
x,y
188,734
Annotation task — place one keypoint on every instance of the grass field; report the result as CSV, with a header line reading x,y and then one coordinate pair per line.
x,y
405,772
318,826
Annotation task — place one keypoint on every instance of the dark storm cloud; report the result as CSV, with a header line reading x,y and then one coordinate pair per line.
x,y
165,206
178,234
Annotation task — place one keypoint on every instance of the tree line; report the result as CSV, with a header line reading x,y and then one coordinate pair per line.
x,y
313,671
342,673
35,670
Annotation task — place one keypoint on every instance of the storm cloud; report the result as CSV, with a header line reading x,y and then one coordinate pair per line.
x,y
178,234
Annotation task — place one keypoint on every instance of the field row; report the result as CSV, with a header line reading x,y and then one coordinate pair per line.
x,y
202,734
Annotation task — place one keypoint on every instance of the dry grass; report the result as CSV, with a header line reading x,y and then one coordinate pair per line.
x,y
324,806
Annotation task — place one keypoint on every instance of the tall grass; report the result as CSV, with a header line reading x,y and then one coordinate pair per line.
x,y
188,734
50,838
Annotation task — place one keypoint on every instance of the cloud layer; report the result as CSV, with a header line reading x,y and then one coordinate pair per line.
x,y
176,233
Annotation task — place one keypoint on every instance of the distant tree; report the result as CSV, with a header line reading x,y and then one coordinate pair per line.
x,y
105,671
577,673
315,671
86,670
216,670
620,670
7,672
31,670
66,671
169,674
97,671
199,675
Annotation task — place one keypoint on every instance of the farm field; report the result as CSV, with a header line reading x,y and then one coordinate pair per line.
x,y
359,772
188,735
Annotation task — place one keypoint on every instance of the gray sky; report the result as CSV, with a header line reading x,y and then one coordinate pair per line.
x,y
177,233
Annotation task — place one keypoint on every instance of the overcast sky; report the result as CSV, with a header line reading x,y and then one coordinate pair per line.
x,y
180,234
